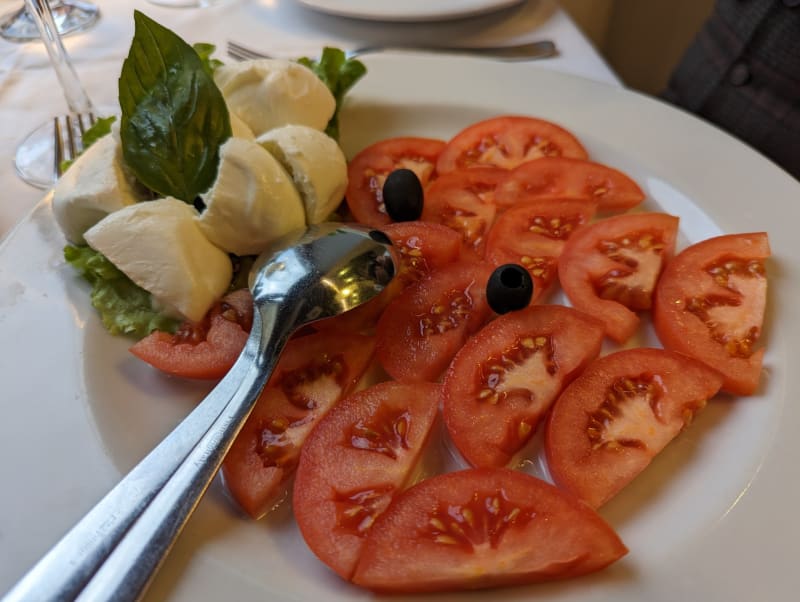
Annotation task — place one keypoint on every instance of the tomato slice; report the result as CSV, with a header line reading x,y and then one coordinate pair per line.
x,y
483,527
205,349
507,141
533,234
314,372
609,269
464,201
423,328
420,248
565,177
503,380
368,170
710,304
355,461
607,426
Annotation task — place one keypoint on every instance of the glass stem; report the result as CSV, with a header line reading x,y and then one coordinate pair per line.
x,y
77,99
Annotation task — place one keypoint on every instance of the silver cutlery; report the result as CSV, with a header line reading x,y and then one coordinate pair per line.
x,y
519,52
68,133
114,551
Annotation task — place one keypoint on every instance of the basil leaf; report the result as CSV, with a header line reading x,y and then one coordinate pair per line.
x,y
174,118
204,51
339,74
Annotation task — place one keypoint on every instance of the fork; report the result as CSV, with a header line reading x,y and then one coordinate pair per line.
x,y
519,52
68,133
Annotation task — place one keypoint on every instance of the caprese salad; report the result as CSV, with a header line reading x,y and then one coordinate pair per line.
x,y
485,224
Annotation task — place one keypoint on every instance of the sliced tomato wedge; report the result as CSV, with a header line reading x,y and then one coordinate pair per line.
x,y
483,527
314,372
464,201
355,461
420,248
564,177
205,349
710,304
609,269
423,328
533,234
368,170
507,141
504,379
607,426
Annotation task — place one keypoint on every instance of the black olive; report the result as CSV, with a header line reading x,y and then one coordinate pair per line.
x,y
510,287
402,195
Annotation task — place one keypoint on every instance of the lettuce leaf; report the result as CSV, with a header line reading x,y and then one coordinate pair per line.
x,y
204,51
124,307
338,73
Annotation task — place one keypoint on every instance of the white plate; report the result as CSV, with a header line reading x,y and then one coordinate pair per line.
x,y
714,517
407,10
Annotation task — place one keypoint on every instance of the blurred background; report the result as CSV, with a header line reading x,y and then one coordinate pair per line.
x,y
658,30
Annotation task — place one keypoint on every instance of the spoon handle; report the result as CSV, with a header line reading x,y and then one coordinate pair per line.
x,y
127,572
67,568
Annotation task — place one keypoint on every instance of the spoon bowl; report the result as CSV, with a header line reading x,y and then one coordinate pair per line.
x,y
114,551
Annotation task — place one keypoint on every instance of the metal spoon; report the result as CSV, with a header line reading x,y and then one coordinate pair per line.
x,y
114,551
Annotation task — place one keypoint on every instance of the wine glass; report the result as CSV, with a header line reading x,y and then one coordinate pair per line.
x,y
69,16
35,154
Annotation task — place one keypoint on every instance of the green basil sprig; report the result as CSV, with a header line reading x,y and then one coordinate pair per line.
x,y
174,118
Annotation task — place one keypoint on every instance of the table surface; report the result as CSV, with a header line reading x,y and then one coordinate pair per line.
x,y
30,95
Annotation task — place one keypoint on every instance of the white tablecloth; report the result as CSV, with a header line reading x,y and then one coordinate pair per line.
x,y
30,95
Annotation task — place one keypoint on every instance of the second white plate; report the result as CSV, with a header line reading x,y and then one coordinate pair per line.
x,y
407,10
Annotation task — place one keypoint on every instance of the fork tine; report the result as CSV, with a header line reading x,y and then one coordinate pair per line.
x,y
242,53
71,142
58,146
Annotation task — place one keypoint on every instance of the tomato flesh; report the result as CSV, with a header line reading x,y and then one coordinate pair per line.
x,y
554,177
205,349
533,235
504,379
314,372
710,304
607,425
464,201
423,328
355,461
609,269
483,527
506,142
367,172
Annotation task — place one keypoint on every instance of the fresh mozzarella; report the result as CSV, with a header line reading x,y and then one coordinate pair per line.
x,y
316,163
159,246
252,202
269,93
94,186
239,129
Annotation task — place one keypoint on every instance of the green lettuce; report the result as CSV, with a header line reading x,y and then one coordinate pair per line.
x,y
338,73
204,51
124,307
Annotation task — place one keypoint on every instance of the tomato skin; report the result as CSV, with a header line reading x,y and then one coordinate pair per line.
x,y
554,177
423,328
355,461
491,413
537,533
507,141
203,350
464,201
526,235
420,248
607,425
687,284
367,171
610,268
314,372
